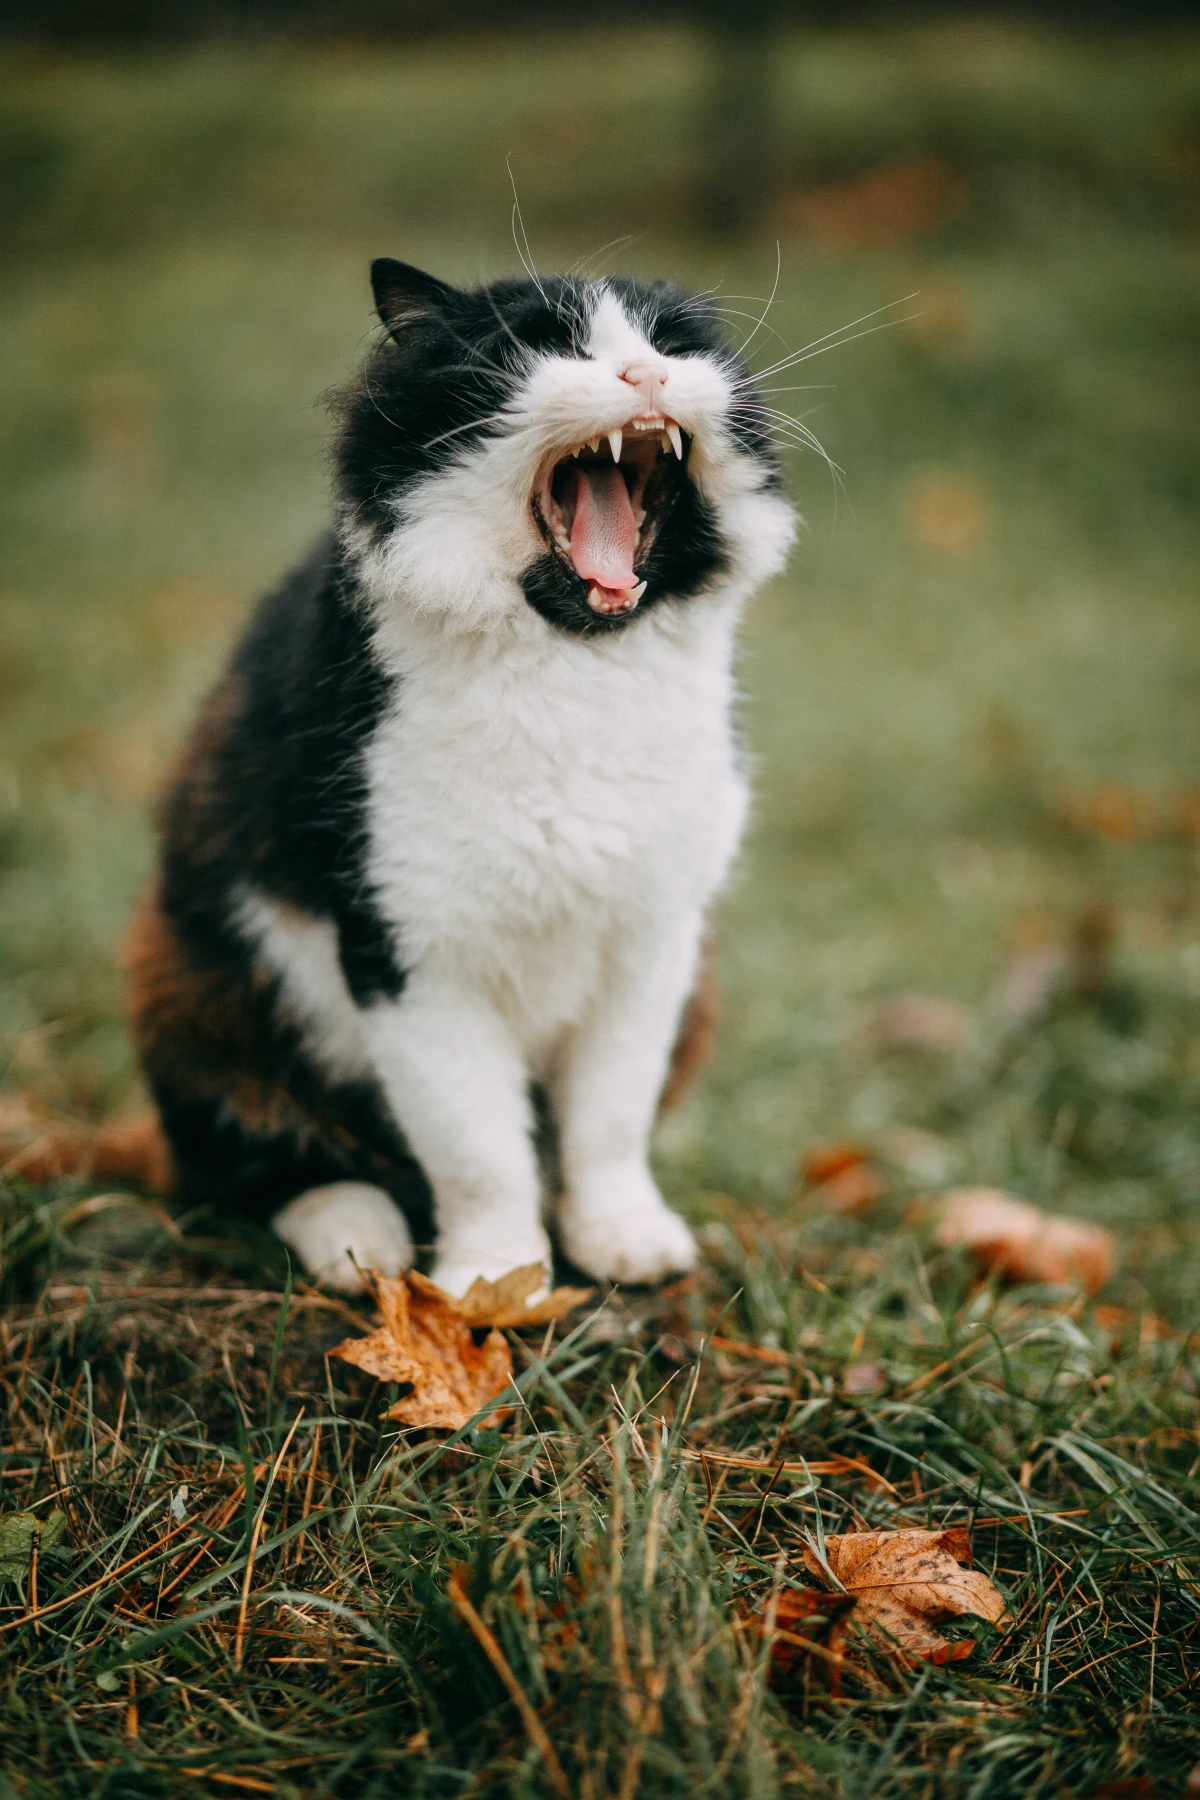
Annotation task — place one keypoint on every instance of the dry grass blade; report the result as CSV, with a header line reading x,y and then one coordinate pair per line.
x,y
240,1635
533,1725
829,1465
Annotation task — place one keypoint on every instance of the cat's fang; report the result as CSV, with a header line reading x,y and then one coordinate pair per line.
x,y
676,437
615,439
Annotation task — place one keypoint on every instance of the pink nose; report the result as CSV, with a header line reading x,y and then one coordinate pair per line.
x,y
649,379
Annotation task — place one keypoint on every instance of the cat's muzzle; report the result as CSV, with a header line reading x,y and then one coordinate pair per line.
x,y
599,506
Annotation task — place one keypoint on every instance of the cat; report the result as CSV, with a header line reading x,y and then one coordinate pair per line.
x,y
445,834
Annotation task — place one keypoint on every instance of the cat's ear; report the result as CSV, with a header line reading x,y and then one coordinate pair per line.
x,y
404,295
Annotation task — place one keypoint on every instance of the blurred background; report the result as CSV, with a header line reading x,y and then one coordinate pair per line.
x,y
967,921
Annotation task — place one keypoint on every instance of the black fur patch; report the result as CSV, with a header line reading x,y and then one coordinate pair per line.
x,y
274,794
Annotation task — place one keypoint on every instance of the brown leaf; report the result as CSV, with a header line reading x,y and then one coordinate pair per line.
x,y
506,1303
906,1581
425,1339
842,1176
1016,1241
808,1624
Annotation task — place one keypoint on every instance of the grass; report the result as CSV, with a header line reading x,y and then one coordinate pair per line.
x,y
970,703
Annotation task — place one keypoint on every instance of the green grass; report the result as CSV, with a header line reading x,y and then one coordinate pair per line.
x,y
983,647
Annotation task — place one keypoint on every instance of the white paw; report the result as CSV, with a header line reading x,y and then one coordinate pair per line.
x,y
616,1226
333,1228
489,1253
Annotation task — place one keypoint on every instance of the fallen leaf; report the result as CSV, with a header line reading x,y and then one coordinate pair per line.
x,y
506,1303
425,1341
824,1162
841,1176
1012,1239
905,1582
808,1624
18,1532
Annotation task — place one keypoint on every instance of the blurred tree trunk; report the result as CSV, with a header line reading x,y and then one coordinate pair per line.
x,y
737,160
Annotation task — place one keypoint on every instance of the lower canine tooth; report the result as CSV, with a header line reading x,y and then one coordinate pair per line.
x,y
635,593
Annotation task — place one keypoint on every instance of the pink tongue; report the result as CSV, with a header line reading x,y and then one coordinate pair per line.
x,y
603,531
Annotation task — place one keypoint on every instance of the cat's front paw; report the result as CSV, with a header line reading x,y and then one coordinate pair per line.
x,y
342,1228
617,1227
461,1260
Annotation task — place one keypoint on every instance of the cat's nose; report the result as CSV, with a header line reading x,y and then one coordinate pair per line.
x,y
650,380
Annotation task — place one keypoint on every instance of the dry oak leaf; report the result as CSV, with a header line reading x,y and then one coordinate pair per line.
x,y
425,1340
905,1582
1016,1241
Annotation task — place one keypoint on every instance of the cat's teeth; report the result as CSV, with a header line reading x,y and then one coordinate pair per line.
x,y
676,437
665,441
593,444
615,441
639,517
635,593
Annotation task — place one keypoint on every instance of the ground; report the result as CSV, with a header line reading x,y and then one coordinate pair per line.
x,y
970,710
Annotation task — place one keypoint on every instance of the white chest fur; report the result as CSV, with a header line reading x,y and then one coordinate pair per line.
x,y
533,800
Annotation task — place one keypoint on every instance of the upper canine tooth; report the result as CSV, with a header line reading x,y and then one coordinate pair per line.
x,y
676,437
614,444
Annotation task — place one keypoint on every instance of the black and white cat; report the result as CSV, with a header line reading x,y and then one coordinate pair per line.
x,y
446,832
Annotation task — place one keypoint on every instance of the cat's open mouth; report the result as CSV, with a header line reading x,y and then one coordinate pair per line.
x,y
599,506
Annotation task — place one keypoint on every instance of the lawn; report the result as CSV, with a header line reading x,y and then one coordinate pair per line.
x,y
970,705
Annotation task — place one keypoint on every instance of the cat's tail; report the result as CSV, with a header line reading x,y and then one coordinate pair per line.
x,y
132,1149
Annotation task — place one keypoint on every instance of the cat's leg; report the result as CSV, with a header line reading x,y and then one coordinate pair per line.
x,y
613,1220
343,1227
457,1082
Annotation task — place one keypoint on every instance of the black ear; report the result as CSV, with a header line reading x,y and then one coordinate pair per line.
x,y
403,295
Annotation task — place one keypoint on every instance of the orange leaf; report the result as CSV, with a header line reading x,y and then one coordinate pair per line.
x,y
842,1175
823,1162
907,1581
1019,1243
506,1303
425,1340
